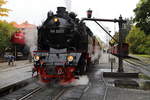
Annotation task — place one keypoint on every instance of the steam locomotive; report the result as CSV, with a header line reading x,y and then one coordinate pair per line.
x,y
65,47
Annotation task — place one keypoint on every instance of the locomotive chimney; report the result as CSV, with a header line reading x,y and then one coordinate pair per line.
x,y
61,10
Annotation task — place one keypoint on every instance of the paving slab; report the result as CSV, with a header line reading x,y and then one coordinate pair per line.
x,y
127,94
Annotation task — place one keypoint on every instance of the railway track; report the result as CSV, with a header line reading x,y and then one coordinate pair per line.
x,y
105,84
59,94
34,92
137,61
63,91
30,94
139,65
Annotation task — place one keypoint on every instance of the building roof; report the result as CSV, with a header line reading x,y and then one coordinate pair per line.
x,y
24,25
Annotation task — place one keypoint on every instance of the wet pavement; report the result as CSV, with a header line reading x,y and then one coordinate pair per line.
x,y
17,64
100,90
127,94
90,87
12,74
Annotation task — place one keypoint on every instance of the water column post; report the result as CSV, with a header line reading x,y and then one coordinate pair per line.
x,y
120,68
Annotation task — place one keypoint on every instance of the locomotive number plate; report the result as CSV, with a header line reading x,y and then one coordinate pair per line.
x,y
57,31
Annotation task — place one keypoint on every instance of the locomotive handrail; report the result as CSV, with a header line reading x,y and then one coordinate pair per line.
x,y
59,52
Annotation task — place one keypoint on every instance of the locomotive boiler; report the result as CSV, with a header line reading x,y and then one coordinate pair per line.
x,y
65,47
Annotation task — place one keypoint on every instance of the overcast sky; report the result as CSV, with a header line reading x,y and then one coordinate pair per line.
x,y
35,11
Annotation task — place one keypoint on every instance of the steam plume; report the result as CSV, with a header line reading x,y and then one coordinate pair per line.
x,y
31,38
68,4
83,80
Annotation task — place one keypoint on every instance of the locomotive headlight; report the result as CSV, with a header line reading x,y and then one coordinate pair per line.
x,y
56,19
36,58
70,58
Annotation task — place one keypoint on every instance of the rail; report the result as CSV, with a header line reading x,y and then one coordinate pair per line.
x,y
59,94
30,94
106,89
138,63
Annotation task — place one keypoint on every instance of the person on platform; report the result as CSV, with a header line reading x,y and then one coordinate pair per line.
x,y
11,60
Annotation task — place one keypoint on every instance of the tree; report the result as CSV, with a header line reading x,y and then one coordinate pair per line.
x,y
146,45
125,31
6,31
128,25
3,11
142,15
137,41
116,37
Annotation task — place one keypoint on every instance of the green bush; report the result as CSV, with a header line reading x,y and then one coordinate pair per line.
x,y
139,43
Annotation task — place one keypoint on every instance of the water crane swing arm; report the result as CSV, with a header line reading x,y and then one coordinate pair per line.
x,y
106,31
104,20
120,21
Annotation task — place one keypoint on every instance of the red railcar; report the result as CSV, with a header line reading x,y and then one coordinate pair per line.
x,y
20,49
115,50
18,38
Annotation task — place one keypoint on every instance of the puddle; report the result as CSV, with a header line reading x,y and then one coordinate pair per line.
x,y
126,84
132,84
142,83
145,85
142,76
145,82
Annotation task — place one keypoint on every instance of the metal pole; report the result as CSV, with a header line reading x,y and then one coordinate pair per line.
x,y
15,51
120,68
111,66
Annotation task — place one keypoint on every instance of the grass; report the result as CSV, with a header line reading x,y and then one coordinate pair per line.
x,y
142,55
144,76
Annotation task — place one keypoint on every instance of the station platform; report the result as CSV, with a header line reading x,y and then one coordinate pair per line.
x,y
10,75
19,63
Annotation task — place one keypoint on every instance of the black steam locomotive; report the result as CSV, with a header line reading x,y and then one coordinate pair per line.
x,y
65,46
